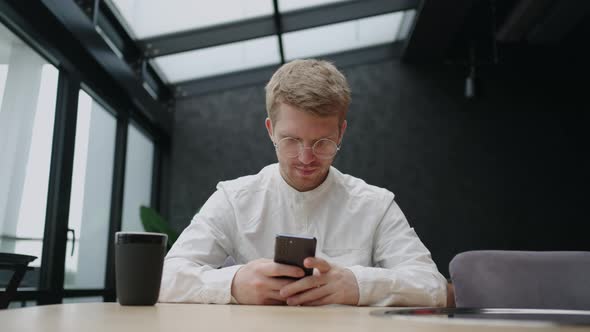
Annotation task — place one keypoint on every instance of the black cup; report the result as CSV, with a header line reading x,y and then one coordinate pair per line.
x,y
139,258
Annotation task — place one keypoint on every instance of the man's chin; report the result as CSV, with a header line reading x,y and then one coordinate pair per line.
x,y
306,173
305,182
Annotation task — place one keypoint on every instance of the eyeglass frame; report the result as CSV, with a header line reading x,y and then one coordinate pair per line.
x,y
302,147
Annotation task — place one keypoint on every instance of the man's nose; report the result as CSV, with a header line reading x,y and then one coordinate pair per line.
x,y
306,156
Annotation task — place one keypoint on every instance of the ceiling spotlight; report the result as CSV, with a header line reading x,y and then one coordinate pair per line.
x,y
470,80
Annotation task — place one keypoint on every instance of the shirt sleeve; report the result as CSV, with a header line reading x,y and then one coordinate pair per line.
x,y
192,270
404,273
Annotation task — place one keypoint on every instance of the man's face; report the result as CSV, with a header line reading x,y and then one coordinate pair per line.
x,y
306,171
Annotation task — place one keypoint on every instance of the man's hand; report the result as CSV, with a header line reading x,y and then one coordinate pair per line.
x,y
329,284
257,282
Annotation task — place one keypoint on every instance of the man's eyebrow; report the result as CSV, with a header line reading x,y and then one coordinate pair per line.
x,y
332,136
286,135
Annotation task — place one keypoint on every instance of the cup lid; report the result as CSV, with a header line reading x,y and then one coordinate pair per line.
x,y
140,237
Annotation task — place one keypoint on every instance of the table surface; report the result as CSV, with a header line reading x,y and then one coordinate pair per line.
x,y
219,318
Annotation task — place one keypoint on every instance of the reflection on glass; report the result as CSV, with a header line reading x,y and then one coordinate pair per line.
x,y
28,90
91,195
138,178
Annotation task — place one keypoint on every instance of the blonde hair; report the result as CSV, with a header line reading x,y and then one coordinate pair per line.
x,y
314,86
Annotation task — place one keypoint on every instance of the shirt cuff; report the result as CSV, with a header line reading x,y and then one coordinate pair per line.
x,y
218,286
357,272
230,274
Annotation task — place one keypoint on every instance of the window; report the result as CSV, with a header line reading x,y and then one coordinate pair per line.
x,y
28,90
138,178
90,200
219,60
345,36
149,18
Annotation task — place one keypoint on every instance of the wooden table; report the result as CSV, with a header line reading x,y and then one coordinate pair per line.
x,y
219,318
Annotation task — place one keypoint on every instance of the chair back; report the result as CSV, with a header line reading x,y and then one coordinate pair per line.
x,y
522,279
18,264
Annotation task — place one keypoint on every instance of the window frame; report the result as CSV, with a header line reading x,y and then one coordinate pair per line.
x,y
71,80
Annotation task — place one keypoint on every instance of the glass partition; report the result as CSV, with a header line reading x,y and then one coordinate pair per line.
x,y
138,178
90,202
28,90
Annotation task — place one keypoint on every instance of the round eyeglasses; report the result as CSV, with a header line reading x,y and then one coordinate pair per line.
x,y
291,148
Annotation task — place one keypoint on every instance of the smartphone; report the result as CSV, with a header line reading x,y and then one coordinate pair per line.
x,y
293,249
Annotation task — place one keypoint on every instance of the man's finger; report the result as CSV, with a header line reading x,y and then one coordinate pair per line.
x,y
277,283
311,295
273,269
318,263
302,285
276,296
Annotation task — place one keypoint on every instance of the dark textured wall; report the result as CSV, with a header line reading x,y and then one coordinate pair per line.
x,y
505,171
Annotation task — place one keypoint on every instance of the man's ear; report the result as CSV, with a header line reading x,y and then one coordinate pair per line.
x,y
342,130
268,125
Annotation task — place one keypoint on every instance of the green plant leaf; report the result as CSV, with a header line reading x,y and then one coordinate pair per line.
x,y
153,222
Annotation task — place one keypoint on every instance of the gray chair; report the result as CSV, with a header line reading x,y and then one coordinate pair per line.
x,y
522,279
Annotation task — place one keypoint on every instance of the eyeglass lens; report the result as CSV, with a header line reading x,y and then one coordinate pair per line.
x,y
323,148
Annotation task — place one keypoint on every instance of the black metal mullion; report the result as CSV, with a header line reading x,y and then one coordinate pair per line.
x,y
58,196
279,28
156,175
118,188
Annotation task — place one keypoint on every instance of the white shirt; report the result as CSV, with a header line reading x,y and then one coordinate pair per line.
x,y
357,226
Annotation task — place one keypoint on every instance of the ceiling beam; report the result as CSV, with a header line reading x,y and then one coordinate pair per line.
x,y
342,11
84,30
266,26
109,26
224,82
262,75
207,37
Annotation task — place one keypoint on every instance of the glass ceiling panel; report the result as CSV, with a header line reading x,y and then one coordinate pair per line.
x,y
149,18
291,5
218,60
344,36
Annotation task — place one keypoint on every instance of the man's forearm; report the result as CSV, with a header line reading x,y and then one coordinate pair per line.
x,y
403,286
185,281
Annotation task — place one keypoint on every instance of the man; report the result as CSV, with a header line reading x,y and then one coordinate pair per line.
x,y
367,254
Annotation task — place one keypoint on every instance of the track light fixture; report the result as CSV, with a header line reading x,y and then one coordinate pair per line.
x,y
470,85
